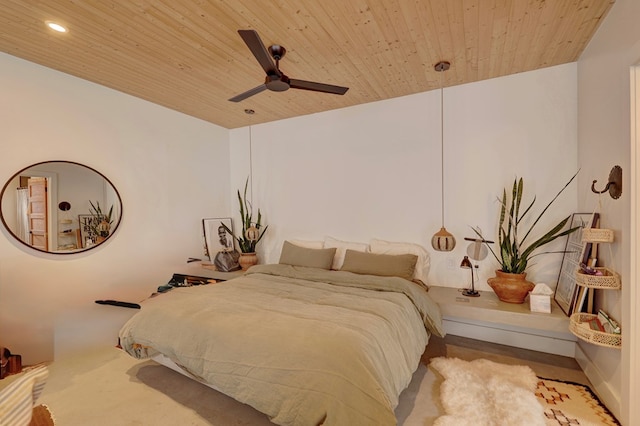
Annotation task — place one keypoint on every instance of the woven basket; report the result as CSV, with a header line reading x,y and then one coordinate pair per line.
x,y
597,235
610,280
593,336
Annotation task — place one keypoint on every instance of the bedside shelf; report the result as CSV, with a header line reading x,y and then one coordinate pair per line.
x,y
596,337
489,319
609,280
207,270
597,235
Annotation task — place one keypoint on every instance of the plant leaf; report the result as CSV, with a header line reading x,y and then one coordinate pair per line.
x,y
549,205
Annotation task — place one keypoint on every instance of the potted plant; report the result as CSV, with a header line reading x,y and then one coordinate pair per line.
x,y
510,284
101,223
252,232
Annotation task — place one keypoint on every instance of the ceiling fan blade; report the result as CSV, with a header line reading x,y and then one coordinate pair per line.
x,y
248,93
317,87
255,44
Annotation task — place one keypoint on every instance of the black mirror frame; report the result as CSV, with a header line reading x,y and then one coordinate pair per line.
x,y
64,253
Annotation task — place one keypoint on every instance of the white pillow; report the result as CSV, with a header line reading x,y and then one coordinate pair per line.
x,y
386,247
307,244
341,250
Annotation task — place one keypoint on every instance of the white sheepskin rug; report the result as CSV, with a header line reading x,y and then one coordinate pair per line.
x,y
486,393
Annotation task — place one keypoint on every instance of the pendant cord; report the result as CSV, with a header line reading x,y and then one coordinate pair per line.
x,y
442,148
250,112
251,162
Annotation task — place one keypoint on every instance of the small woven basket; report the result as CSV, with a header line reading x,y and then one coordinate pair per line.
x,y
593,336
597,235
609,280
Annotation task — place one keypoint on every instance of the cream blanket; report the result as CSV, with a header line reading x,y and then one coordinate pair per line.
x,y
302,345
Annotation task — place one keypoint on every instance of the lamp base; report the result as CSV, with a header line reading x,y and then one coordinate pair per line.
x,y
470,293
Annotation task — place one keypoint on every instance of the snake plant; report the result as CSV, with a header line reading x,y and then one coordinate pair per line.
x,y
101,223
514,253
247,244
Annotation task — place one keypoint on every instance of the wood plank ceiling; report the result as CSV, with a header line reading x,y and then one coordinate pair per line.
x,y
187,55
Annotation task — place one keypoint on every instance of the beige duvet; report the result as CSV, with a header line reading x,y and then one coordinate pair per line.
x,y
302,345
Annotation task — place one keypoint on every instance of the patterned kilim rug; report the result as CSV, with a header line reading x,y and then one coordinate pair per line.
x,y
567,403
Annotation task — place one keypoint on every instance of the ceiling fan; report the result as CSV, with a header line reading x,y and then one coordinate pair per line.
x,y
276,80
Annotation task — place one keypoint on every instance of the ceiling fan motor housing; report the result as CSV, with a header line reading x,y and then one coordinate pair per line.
x,y
277,83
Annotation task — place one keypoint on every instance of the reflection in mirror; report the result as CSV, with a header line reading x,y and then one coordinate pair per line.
x,y
60,207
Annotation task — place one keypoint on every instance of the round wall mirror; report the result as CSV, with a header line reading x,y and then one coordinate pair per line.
x,y
60,207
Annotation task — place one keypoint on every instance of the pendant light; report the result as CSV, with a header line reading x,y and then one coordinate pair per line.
x,y
442,240
252,233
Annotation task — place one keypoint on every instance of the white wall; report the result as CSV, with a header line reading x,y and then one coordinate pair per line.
x,y
604,129
358,173
171,171
373,171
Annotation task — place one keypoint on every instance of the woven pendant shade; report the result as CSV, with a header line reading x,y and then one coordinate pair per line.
x,y
443,240
252,234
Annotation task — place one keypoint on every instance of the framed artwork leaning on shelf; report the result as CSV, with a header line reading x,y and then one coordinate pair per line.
x,y
216,237
575,252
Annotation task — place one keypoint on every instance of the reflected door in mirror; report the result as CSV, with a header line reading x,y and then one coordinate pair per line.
x,y
37,214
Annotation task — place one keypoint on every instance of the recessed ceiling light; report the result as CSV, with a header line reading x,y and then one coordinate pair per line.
x,y
56,27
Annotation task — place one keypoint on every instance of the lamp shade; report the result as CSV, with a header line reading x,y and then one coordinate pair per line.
x,y
466,263
443,240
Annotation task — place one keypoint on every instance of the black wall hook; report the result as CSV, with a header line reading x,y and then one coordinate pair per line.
x,y
614,186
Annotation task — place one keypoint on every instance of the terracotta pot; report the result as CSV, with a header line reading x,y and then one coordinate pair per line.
x,y
247,260
510,288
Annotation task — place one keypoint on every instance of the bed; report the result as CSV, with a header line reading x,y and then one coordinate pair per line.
x,y
304,344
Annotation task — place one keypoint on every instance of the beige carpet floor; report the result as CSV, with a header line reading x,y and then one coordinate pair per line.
x,y
108,387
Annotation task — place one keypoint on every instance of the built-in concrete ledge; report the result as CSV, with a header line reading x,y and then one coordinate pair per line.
x,y
487,318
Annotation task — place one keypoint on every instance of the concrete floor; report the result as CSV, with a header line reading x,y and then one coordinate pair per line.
x,y
543,364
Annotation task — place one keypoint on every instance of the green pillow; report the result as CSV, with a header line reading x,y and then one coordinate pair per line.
x,y
386,265
302,256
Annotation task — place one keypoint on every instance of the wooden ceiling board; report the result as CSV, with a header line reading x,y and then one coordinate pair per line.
x,y
187,55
